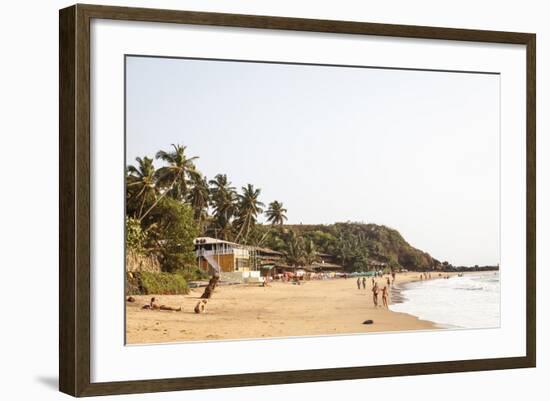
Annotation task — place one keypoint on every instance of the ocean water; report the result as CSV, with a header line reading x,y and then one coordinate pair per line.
x,y
471,301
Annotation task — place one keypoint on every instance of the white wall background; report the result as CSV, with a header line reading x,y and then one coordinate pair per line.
x,y
29,185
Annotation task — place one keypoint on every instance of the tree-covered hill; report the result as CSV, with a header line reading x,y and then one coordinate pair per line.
x,y
357,245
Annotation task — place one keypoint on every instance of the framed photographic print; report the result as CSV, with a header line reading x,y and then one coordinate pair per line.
x,y
250,200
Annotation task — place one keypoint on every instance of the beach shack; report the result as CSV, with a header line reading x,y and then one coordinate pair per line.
x,y
267,258
376,265
327,258
326,267
233,261
218,256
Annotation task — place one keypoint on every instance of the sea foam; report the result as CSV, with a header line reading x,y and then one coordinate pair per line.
x,y
471,301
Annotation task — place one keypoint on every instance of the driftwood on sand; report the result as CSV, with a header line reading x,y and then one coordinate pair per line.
x,y
210,287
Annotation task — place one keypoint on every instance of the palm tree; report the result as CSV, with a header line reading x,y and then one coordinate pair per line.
x,y
175,175
343,249
310,252
276,213
249,207
276,216
141,182
173,178
224,202
294,250
199,197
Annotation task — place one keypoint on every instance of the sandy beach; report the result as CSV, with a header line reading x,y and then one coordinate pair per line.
x,y
317,307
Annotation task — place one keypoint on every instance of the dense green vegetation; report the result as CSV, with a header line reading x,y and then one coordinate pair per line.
x,y
356,246
156,283
169,206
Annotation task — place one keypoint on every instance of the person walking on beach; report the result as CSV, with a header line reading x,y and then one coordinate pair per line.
x,y
375,294
388,281
385,296
358,283
364,283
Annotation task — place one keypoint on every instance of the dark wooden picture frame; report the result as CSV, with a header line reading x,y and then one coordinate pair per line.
x,y
74,199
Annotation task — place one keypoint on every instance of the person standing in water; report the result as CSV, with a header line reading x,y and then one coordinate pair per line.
x,y
375,294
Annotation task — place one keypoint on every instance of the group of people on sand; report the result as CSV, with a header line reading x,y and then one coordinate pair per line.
x,y
376,290
155,305
428,276
362,282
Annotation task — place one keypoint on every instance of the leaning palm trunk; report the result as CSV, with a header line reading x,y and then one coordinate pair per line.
x,y
209,290
266,234
141,206
159,198
239,233
246,224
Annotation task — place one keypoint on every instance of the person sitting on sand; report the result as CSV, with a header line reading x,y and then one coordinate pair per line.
x,y
385,296
364,283
375,294
153,305
201,306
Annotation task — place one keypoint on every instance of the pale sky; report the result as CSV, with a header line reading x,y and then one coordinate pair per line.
x,y
417,151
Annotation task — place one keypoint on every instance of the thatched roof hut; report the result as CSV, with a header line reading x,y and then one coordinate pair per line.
x,y
325,266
